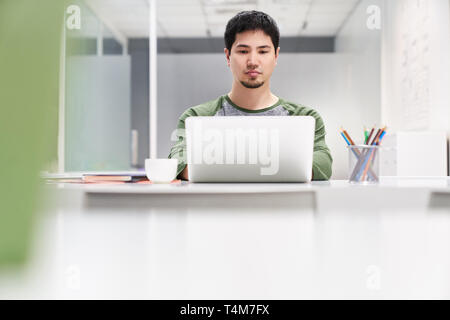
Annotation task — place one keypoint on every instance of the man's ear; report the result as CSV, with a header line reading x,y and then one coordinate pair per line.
x,y
227,55
276,55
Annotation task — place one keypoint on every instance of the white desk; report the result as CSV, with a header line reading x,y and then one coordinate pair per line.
x,y
241,241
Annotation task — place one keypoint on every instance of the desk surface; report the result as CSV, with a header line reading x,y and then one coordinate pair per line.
x,y
330,240
436,184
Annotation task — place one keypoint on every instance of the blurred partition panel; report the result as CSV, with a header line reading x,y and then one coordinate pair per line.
x,y
97,113
30,33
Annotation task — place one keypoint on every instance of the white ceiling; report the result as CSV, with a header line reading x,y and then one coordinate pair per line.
x,y
200,18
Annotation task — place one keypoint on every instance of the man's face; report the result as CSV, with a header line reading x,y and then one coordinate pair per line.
x,y
252,58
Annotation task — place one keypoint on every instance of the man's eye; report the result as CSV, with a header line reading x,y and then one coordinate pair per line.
x,y
263,52
242,51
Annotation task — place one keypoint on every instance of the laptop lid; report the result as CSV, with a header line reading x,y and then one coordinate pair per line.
x,y
250,149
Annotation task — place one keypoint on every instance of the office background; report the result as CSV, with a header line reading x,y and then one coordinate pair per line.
x,y
356,62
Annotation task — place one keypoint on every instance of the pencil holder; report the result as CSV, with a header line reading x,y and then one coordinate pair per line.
x,y
363,164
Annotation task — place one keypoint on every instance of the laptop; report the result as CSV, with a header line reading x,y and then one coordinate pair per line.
x,y
250,149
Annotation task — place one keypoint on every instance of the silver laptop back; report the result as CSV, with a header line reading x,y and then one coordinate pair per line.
x,y
250,149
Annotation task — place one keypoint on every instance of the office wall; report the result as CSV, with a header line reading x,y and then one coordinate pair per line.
x,y
186,80
361,47
416,65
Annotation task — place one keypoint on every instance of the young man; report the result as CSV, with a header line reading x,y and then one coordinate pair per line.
x,y
251,40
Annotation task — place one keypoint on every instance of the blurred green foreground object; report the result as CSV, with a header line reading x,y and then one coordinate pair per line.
x,y
30,34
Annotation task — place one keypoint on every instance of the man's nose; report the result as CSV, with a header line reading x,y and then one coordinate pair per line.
x,y
252,60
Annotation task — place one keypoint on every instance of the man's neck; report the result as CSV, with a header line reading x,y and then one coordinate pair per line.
x,y
252,99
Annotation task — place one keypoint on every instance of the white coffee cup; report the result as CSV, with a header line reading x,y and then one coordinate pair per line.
x,y
161,170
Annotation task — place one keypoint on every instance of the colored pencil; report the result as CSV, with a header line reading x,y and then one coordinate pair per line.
x,y
348,137
381,136
366,135
345,138
375,138
370,135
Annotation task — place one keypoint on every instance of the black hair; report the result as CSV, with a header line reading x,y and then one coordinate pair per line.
x,y
251,20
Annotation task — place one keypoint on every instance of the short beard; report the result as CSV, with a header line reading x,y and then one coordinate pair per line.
x,y
252,85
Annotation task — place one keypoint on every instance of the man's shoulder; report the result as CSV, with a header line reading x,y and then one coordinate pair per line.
x,y
209,108
296,109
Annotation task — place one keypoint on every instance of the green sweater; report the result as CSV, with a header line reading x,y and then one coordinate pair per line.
x,y
223,106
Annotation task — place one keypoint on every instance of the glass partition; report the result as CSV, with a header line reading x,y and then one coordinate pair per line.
x,y
97,99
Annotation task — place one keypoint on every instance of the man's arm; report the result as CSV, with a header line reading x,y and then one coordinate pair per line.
x,y
184,174
322,160
178,150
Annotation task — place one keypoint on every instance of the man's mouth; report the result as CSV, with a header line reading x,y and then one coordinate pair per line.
x,y
253,73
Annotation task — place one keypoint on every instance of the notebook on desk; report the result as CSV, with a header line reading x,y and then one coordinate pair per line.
x,y
250,149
